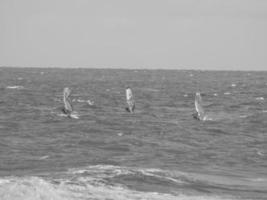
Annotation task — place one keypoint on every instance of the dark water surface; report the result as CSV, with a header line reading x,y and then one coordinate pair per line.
x,y
159,152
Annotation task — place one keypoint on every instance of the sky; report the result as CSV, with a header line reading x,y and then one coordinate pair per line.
x,y
161,34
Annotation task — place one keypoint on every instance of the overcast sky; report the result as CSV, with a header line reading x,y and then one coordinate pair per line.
x,y
179,34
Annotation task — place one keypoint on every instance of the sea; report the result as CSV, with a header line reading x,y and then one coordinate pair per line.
x,y
159,152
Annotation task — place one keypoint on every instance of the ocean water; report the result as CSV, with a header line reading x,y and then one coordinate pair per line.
x,y
157,153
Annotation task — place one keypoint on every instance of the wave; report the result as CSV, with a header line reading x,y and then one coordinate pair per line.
x,y
34,188
101,182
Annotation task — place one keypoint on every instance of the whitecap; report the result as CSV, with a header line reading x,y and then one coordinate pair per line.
x,y
215,94
73,115
90,103
260,153
150,89
227,93
233,85
92,177
120,134
260,98
44,157
31,188
15,87
93,185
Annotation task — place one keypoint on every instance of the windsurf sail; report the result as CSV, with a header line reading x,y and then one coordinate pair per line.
x,y
68,108
130,100
198,106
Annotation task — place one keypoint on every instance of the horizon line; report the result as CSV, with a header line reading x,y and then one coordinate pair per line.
x,y
130,68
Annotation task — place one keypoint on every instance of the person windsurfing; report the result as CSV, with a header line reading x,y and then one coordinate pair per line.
x,y
68,108
199,114
130,100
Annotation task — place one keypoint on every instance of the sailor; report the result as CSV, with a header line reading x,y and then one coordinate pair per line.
x,y
130,100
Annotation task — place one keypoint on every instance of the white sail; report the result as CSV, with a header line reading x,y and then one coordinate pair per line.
x,y
66,99
130,99
198,106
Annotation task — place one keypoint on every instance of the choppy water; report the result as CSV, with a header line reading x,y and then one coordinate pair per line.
x,y
159,152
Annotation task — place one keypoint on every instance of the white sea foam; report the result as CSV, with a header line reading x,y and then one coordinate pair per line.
x,y
74,115
260,153
44,157
90,103
31,188
120,134
161,175
105,170
15,87
260,98
98,173
34,188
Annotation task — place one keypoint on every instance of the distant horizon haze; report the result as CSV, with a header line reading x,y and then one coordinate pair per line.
x,y
148,34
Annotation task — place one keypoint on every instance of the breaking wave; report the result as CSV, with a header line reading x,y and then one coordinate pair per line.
x,y
102,182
